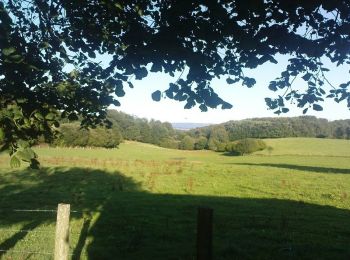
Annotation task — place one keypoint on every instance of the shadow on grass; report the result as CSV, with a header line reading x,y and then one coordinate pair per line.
x,y
121,221
300,167
230,154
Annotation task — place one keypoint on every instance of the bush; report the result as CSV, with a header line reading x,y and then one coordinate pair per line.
x,y
220,147
187,143
169,143
73,135
245,146
201,143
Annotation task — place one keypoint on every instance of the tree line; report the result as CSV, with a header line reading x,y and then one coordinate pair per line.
x,y
215,137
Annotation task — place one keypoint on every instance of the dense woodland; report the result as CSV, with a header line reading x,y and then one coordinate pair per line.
x,y
214,137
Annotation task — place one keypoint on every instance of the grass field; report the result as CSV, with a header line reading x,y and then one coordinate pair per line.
x,y
140,202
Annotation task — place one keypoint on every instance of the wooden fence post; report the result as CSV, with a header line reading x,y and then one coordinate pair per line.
x,y
62,232
204,233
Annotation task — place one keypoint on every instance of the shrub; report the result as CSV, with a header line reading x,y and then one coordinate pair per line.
x,y
201,143
169,143
73,135
220,147
187,143
245,146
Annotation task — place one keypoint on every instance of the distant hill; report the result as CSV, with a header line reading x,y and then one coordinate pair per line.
x,y
198,136
188,126
280,127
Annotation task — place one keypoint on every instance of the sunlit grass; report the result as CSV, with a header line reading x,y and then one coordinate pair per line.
x,y
139,201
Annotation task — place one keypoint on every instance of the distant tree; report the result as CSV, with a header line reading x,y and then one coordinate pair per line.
x,y
158,131
72,135
101,137
348,132
339,132
132,132
220,147
218,137
201,143
169,143
145,132
304,126
187,143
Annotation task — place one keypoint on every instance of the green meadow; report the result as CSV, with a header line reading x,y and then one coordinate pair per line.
x,y
140,202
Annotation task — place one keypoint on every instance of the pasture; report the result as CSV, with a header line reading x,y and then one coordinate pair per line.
x,y
140,202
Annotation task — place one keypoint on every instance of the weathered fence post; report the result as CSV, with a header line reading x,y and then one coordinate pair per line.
x,y
204,233
62,232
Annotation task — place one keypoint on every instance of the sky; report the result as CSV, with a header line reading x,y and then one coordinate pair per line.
x,y
247,103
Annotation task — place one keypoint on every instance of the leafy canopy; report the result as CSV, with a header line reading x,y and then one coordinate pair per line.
x,y
48,49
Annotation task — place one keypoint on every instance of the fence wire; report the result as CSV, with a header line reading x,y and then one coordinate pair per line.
x,y
37,236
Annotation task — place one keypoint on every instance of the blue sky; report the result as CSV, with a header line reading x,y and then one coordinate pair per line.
x,y
247,103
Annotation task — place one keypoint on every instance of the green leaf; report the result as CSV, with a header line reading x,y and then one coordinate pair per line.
x,y
50,116
139,11
130,85
203,108
156,95
226,106
119,91
307,76
317,107
16,58
116,103
24,155
230,81
2,135
156,67
38,116
8,51
141,73
119,6
15,162
285,110
249,82
23,144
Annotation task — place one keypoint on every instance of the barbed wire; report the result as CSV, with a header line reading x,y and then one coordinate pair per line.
x,y
25,252
37,210
24,230
40,210
29,252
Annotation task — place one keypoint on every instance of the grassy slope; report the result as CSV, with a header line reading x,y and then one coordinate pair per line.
x,y
309,146
139,201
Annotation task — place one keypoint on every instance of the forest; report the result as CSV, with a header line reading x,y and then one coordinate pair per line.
x,y
213,137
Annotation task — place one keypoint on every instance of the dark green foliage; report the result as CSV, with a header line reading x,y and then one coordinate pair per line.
x,y
201,143
245,146
187,143
169,143
142,130
218,138
341,129
124,126
213,138
305,126
73,135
